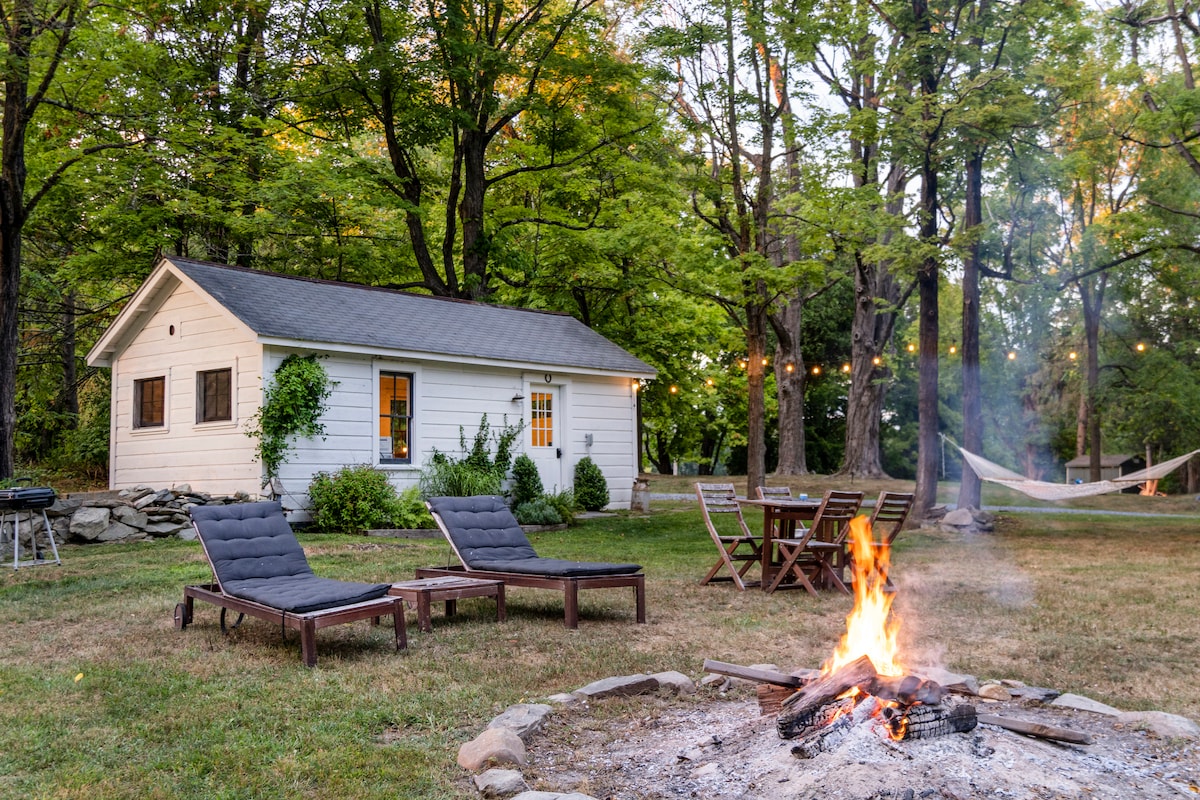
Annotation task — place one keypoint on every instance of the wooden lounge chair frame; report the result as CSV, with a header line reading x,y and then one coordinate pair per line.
x,y
569,585
307,623
744,549
816,555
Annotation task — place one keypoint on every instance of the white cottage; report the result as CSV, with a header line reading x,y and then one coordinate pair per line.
x,y
192,349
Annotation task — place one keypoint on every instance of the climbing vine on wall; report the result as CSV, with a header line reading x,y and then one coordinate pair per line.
x,y
292,407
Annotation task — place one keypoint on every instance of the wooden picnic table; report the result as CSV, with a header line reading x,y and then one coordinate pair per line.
x,y
780,516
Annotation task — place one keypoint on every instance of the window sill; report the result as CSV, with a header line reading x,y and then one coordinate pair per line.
x,y
216,425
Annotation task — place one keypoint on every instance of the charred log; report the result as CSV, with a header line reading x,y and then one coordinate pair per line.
x,y
791,725
926,722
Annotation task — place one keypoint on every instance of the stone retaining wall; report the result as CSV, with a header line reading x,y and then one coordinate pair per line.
x,y
129,515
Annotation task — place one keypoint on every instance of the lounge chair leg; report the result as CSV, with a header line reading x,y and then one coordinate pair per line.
x,y
399,624
639,591
308,642
501,611
571,601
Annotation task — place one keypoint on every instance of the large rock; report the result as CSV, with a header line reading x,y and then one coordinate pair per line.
x,y
119,532
1169,726
1081,703
621,686
500,783
130,516
89,522
523,719
493,746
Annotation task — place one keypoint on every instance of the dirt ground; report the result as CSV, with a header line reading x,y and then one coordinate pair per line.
x,y
721,749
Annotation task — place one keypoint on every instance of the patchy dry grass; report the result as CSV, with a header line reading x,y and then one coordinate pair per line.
x,y
1101,605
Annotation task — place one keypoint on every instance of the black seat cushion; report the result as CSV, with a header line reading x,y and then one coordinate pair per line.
x,y
487,536
256,557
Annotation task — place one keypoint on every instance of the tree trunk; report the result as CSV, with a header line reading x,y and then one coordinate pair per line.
x,y
12,221
1093,301
970,489
475,244
756,438
927,277
790,378
864,404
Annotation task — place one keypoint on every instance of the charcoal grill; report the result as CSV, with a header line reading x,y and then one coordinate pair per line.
x,y
26,501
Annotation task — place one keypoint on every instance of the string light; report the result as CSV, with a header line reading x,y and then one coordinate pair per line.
x,y
764,362
912,348
635,386
816,370
674,390
877,361
953,349
1072,355
709,382
1012,356
845,367
742,364
1141,348
789,367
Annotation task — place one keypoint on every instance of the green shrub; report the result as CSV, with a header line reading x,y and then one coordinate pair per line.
x,y
564,503
477,471
591,490
537,512
526,482
409,511
351,500
443,477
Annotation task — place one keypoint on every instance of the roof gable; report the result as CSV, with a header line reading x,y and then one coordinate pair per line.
x,y
319,312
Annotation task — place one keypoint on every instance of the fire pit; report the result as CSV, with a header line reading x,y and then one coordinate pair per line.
x,y
868,728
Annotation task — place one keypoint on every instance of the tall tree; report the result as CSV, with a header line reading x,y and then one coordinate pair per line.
x,y
59,57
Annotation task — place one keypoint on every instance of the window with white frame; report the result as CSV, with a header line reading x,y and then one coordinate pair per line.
x,y
395,417
214,395
149,402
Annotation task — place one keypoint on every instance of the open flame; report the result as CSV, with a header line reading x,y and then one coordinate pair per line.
x,y
869,631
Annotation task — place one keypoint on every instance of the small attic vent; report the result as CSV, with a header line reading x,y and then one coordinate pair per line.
x,y
171,331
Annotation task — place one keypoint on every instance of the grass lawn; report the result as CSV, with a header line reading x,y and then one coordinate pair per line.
x,y
102,698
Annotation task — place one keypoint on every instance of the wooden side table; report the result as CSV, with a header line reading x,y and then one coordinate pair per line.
x,y
425,591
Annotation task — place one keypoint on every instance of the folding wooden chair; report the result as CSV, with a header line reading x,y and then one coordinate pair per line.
x,y
775,493
816,554
887,520
742,548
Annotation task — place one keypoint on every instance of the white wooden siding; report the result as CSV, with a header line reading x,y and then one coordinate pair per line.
x,y
214,457
447,397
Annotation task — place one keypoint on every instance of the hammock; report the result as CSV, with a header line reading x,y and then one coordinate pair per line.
x,y
1044,490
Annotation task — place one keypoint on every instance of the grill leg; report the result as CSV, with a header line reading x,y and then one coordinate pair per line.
x,y
16,532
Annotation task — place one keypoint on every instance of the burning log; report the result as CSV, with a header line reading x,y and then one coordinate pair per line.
x,y
798,709
819,718
907,690
926,722
842,717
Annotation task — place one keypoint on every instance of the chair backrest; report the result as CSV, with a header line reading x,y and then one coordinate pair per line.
x,y
891,511
832,521
720,498
774,492
481,529
248,540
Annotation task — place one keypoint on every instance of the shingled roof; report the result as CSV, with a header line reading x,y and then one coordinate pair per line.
x,y
326,312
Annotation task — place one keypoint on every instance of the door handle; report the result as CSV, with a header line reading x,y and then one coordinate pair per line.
x,y
558,452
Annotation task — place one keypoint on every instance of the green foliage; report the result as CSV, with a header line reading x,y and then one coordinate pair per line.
x,y
564,503
539,511
352,500
591,489
292,406
477,471
445,477
526,482
409,511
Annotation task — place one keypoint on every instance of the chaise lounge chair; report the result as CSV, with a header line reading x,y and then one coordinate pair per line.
x,y
260,569
489,542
